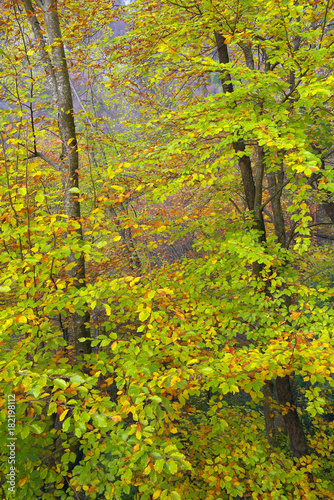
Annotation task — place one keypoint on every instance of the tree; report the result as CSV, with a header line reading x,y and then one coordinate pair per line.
x,y
58,78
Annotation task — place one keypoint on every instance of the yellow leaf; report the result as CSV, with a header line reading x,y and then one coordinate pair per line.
x,y
162,47
138,435
117,418
117,238
147,470
63,415
156,494
228,39
143,315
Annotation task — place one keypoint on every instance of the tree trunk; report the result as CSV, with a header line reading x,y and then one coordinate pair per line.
x,y
58,79
291,419
253,194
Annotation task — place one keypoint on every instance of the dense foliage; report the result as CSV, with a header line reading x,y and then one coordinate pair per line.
x,y
166,281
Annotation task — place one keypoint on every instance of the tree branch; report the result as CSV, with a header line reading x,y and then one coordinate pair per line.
x,y
275,194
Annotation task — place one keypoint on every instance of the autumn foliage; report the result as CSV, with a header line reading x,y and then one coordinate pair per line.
x,y
166,310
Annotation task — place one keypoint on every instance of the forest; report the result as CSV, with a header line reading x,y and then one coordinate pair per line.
x,y
166,249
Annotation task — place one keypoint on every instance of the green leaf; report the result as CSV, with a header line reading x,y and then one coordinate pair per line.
x,y
40,197
58,382
105,342
173,467
159,465
77,379
78,432
143,315
66,424
37,429
100,420
26,431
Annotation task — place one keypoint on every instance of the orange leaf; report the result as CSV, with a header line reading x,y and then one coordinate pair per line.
x,y
22,481
60,410
136,448
116,418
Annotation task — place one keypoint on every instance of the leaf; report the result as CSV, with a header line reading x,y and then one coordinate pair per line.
x,y
143,315
37,429
77,379
60,383
63,415
116,418
159,465
105,342
128,474
100,420
101,244
78,432
175,495
66,424
40,197
25,432
172,467
147,470
151,294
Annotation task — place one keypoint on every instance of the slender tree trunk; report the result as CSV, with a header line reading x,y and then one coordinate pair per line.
x,y
269,412
58,79
275,185
290,415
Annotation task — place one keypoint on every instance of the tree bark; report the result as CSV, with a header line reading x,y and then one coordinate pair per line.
x,y
295,430
238,146
275,192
